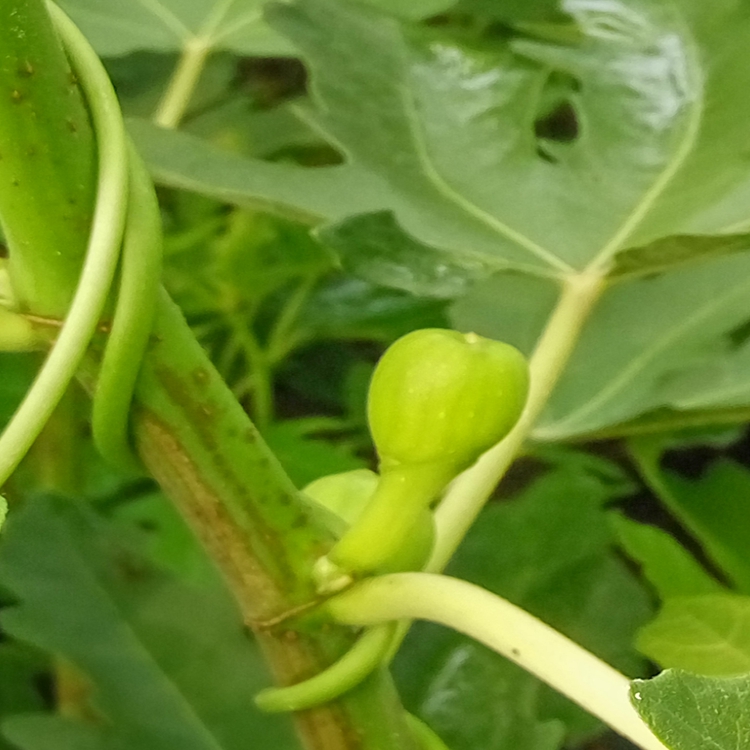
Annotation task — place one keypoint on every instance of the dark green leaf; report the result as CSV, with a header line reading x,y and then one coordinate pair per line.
x,y
40,732
688,712
17,371
713,508
171,664
510,11
166,537
666,253
375,247
304,457
414,9
345,307
475,699
22,672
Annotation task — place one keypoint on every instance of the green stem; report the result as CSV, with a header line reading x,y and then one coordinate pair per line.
x,y
99,267
388,521
133,318
505,628
46,150
173,105
469,492
199,444
341,677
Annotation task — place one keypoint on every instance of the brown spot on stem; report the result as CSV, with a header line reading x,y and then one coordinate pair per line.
x,y
200,375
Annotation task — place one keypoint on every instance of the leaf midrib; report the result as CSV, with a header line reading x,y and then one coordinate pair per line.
x,y
443,187
209,32
681,154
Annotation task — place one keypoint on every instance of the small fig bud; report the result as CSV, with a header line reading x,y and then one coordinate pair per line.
x,y
344,494
444,397
437,400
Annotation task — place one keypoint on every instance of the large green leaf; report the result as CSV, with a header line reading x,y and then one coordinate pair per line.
x,y
550,551
688,712
641,339
117,27
180,160
452,127
457,133
171,665
707,634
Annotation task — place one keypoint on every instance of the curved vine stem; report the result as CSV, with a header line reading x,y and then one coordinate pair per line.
x,y
133,319
343,675
505,628
101,256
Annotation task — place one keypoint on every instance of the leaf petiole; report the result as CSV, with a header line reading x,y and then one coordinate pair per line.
x,y
505,628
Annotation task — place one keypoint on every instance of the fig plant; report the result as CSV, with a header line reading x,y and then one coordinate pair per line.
x,y
568,177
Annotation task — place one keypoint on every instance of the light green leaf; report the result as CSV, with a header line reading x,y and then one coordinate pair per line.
x,y
664,562
183,161
688,712
641,336
452,128
707,634
171,665
118,27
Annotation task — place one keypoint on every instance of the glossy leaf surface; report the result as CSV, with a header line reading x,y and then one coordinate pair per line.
x,y
688,712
